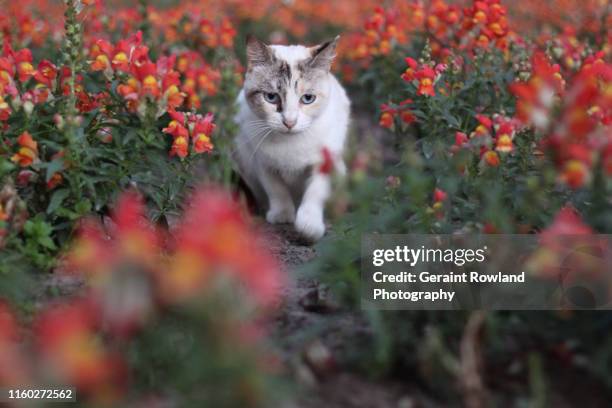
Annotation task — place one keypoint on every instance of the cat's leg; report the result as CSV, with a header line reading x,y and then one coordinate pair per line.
x,y
309,219
280,203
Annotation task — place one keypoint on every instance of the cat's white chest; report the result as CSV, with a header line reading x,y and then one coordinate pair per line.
x,y
291,153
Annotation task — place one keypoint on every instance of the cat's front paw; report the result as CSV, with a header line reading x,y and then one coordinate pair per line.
x,y
309,223
280,215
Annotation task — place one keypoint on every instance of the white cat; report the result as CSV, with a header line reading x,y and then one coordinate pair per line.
x,y
290,108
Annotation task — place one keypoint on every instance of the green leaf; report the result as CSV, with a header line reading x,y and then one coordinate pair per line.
x,y
53,167
46,242
6,167
83,206
57,199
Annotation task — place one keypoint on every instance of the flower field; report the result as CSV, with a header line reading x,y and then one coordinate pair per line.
x,y
116,175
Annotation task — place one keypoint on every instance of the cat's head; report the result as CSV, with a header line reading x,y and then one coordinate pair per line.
x,y
288,86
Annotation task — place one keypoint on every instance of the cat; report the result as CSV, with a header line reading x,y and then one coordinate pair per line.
x,y
290,109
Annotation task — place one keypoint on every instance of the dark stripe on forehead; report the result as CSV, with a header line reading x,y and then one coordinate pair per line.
x,y
284,82
284,72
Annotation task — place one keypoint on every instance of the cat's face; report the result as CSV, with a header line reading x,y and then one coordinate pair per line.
x,y
288,86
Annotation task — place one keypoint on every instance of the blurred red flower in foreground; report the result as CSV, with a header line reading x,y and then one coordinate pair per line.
x,y
569,250
13,370
566,222
535,97
580,135
73,353
213,243
137,276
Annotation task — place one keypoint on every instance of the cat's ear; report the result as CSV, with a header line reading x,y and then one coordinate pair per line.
x,y
258,53
323,55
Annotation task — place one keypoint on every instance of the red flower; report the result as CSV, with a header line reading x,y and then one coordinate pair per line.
x,y
46,73
196,126
23,62
180,147
72,350
566,222
485,126
202,143
575,174
407,117
439,195
426,87
176,129
409,74
327,166
214,240
5,109
535,97
460,139
55,180
13,368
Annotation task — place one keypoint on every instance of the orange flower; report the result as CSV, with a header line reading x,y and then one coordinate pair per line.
x,y
3,215
491,158
179,147
202,131
424,76
174,97
28,151
23,61
575,173
386,120
101,63
228,246
5,109
72,350
184,125
201,143
504,143
426,87
55,180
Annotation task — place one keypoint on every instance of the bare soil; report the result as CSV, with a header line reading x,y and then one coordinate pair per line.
x,y
315,335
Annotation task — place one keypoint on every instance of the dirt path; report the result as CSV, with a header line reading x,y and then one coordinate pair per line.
x,y
316,337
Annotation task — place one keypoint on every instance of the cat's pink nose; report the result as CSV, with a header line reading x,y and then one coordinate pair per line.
x,y
290,123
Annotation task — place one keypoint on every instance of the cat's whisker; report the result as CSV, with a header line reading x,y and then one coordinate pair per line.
x,y
257,133
260,131
259,127
260,143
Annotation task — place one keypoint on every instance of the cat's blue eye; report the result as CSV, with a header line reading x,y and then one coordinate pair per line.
x,y
271,97
307,99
